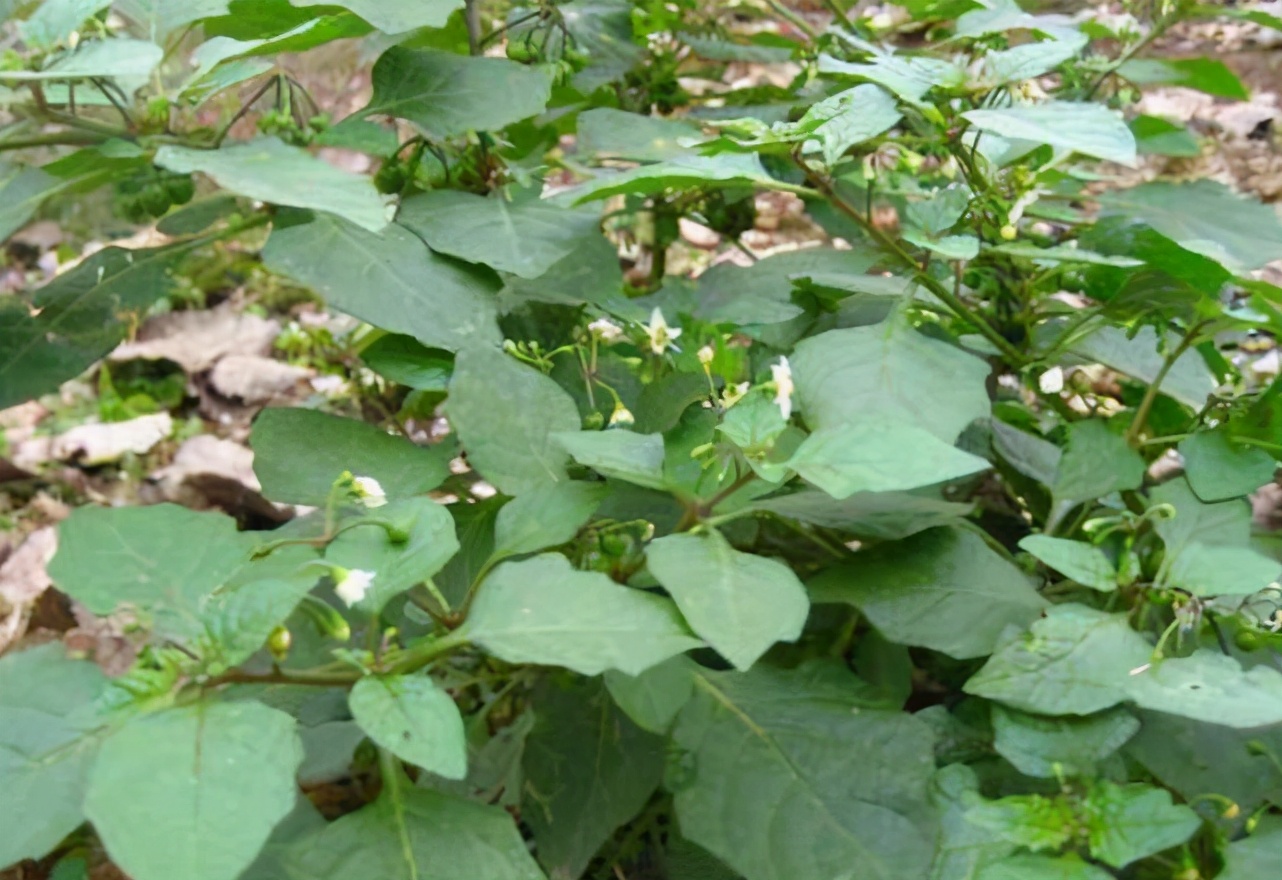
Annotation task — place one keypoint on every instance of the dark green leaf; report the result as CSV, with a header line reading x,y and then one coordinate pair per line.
x,y
1050,747
887,516
624,455
405,360
1203,74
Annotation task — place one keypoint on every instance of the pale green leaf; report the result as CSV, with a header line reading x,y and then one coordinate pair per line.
x,y
1138,356
1031,820
1096,462
395,16
194,791
1084,563
55,20
1051,747
545,517
620,454
653,698
270,170
1217,469
157,19
849,118
414,719
741,604
1209,686
112,57
1089,129
606,133
1029,60
944,589
909,77
1213,570
540,610
507,416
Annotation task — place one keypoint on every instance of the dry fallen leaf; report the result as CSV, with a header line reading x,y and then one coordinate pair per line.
x,y
103,443
197,340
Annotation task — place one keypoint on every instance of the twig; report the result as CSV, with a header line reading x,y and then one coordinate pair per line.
x,y
244,108
102,85
1150,396
793,19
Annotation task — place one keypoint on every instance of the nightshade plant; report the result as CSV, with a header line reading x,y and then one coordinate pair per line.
x,y
849,563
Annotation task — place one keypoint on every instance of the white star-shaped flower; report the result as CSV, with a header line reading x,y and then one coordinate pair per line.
x,y
782,376
370,491
661,335
352,585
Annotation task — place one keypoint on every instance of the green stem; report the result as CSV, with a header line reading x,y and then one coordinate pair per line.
x,y
1150,395
58,139
793,19
415,658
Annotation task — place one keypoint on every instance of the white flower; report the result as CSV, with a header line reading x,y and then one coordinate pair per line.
x,y
661,335
733,394
782,374
1052,381
605,330
352,585
621,416
706,354
370,491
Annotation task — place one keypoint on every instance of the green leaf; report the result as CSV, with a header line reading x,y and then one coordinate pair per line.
x,y
300,453
772,749
739,603
606,133
542,611
1096,462
1209,686
507,416
1042,868
1074,661
1255,857
885,516
762,293
1209,570
661,403
1129,822
416,834
1030,820
1218,469
161,561
157,19
893,371
1188,382
55,20
545,517
965,848
620,454
1089,129
731,169
1063,253
909,77
194,791
113,57
1155,136
1205,217
526,236
588,769
405,360
589,275
602,29
1223,523
213,74
1207,75
1029,60
414,719
1051,747
879,455
944,589
446,95
849,118
269,170
47,743
395,16
391,280
77,318
653,698
1084,563
397,565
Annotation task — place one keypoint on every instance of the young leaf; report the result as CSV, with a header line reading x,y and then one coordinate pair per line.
x,y
507,417
1051,747
1207,75
772,748
588,769
414,719
944,589
728,169
739,603
391,280
1084,563
300,453
545,517
1030,820
47,743
194,791
446,95
1128,822
1089,129
271,171
540,610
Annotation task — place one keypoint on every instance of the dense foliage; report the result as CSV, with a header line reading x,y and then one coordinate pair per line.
x,y
867,561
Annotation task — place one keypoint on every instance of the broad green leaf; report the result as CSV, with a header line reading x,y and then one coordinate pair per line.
x,y
47,742
589,275
1189,381
397,565
55,20
773,749
391,280
1223,523
909,77
1096,462
416,834
540,610
1050,747
620,454
414,719
606,133
1205,217
1209,75
1211,570
395,16
653,698
77,318
1074,661
162,562
849,118
1063,253
1028,454
300,453
762,293
879,455
213,74
1042,868
1255,857
965,847
240,619
1089,129
1155,136
405,360
507,416
270,170
1209,686
194,791
1218,469
893,371
525,237
741,604
886,516
22,193
545,517
1084,563
157,19
949,247
603,30
1207,545
1128,822
588,769
1028,61
112,57
732,169
446,95
661,403
944,589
